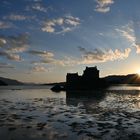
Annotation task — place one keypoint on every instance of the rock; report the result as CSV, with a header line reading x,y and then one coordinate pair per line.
x,y
57,88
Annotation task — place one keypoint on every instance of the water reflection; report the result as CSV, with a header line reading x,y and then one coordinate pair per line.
x,y
122,99
42,114
98,101
94,96
89,100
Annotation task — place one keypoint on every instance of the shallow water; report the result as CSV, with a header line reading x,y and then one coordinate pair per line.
x,y
36,113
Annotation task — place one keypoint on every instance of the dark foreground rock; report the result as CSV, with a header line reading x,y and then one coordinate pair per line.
x,y
58,88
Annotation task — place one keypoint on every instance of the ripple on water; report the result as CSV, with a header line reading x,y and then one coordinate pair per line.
x,y
116,116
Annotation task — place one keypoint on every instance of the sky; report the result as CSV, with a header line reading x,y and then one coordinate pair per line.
x,y
43,40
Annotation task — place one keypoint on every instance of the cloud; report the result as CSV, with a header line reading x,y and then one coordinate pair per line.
x,y
6,65
2,42
39,68
44,54
18,17
12,45
15,17
37,7
5,25
11,56
17,41
48,60
14,57
60,25
61,62
17,49
103,6
137,46
87,57
64,30
129,34
98,55
72,20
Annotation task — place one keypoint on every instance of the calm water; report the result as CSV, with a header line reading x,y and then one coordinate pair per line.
x,y
37,113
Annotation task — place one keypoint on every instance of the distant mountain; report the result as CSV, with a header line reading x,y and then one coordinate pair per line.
x,y
123,79
7,81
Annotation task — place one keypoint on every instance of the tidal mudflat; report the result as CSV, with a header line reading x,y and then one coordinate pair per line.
x,y
38,114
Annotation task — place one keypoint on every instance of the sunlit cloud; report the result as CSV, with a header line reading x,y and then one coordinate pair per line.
x,y
44,54
66,61
103,6
90,57
11,56
137,46
12,45
39,68
65,24
129,34
17,49
98,55
14,57
87,57
18,41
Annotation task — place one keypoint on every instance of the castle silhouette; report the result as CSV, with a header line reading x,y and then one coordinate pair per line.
x,y
89,80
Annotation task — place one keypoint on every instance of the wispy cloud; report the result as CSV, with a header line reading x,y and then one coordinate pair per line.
x,y
87,57
14,57
98,55
72,20
5,25
128,33
44,54
10,56
11,46
103,6
10,42
37,7
2,42
39,68
6,65
66,61
15,17
137,46
65,24
17,49
18,17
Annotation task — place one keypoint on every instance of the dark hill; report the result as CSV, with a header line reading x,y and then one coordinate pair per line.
x,y
123,79
7,81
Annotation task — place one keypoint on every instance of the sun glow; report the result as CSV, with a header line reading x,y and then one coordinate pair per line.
x,y
138,72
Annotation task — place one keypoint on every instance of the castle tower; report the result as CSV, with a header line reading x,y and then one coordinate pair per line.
x,y
91,73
